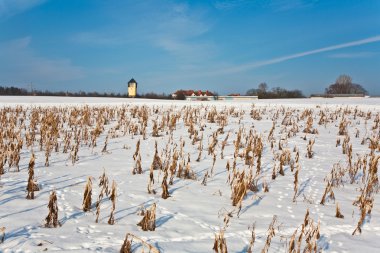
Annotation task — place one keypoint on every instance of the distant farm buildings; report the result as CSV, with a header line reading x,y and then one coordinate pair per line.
x,y
182,94
199,95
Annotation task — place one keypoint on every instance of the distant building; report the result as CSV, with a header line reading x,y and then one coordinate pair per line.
x,y
192,93
199,95
132,88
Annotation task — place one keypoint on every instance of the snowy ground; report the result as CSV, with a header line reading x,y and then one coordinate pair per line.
x,y
189,219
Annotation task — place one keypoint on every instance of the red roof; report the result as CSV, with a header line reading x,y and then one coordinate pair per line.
x,y
196,93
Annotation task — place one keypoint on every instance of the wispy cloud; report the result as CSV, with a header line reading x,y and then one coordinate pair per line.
x,y
229,4
171,27
287,5
12,7
257,64
275,5
179,30
21,64
354,55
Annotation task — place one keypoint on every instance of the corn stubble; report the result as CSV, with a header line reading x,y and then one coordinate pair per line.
x,y
51,219
32,185
67,130
129,241
148,223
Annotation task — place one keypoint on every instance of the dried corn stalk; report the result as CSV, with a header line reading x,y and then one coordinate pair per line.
x,y
148,223
51,219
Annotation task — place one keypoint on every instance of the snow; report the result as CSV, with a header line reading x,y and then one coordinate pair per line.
x,y
189,219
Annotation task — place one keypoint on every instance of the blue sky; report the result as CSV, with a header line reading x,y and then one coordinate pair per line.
x,y
220,45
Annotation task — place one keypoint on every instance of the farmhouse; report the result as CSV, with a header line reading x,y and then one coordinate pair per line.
x,y
199,95
191,93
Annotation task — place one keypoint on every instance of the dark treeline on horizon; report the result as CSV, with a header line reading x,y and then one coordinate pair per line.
x,y
14,91
263,93
343,85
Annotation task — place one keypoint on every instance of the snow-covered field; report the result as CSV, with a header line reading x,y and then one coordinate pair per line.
x,y
201,207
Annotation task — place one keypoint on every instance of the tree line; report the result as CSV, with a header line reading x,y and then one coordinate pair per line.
x,y
15,91
343,85
277,92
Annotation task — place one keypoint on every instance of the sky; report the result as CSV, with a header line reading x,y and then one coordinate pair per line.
x,y
226,46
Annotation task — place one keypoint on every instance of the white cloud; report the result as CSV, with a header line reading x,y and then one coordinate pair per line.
x,y
21,64
12,7
257,64
354,55
229,4
275,5
171,27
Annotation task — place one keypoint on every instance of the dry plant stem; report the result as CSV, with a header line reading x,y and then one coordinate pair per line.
x,y
204,181
111,220
338,213
32,186
51,219
148,223
2,230
165,192
253,239
296,182
220,244
127,245
137,169
292,243
103,183
87,196
151,181
271,234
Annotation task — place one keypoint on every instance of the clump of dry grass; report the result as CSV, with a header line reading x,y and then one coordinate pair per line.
x,y
328,193
51,219
224,143
200,149
137,169
309,126
104,150
156,163
128,241
32,186
309,234
137,151
296,182
338,214
265,186
370,188
2,230
111,220
343,127
148,223
309,149
87,196
253,239
151,181
103,183
271,234
220,243
165,192
2,164
239,189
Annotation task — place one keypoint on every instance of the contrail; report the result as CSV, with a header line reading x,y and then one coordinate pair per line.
x,y
257,64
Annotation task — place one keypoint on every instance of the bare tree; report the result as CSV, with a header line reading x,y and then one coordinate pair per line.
x,y
344,80
263,87
344,85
